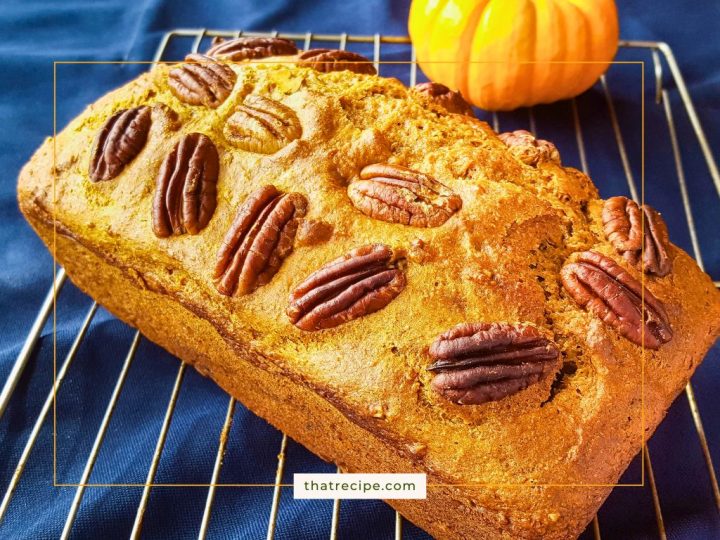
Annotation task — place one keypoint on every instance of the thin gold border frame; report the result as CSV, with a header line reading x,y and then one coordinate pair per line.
x,y
642,450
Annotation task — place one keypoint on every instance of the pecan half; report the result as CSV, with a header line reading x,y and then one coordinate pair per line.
x,y
248,48
451,101
480,362
623,225
262,125
327,60
118,142
202,80
528,149
260,238
602,287
655,260
401,195
357,284
185,189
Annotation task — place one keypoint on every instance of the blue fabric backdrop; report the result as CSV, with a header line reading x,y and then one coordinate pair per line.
x,y
34,34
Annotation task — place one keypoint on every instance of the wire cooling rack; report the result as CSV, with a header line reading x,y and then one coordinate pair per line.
x,y
592,126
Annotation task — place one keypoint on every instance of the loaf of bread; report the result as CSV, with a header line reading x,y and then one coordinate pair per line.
x,y
382,277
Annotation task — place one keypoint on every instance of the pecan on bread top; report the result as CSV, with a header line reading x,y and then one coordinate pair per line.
x,y
401,195
262,125
118,142
250,48
638,233
201,80
481,362
529,149
357,284
327,60
603,287
261,236
448,99
185,192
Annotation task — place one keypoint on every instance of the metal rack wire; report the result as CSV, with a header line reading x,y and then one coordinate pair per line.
x,y
655,49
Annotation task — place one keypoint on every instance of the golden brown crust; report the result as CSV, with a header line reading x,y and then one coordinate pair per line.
x,y
497,259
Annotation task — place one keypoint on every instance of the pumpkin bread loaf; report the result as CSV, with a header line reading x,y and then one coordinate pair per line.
x,y
379,275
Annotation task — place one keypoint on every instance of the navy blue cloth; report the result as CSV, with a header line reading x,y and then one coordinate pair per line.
x,y
36,33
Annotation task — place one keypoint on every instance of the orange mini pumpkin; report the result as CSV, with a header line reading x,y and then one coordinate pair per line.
x,y
504,54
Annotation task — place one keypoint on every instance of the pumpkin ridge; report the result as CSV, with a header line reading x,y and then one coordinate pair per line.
x,y
466,49
431,19
578,84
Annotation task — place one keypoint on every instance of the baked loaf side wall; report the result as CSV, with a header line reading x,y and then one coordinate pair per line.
x,y
447,513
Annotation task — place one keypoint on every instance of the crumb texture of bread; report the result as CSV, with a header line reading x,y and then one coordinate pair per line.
x,y
359,394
